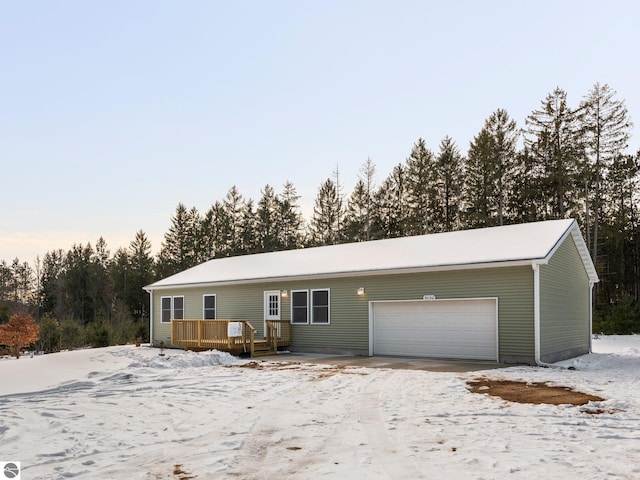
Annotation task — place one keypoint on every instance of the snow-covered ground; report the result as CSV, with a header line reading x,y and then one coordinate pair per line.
x,y
126,412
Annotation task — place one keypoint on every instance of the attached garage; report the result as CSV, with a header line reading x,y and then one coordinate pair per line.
x,y
511,294
461,328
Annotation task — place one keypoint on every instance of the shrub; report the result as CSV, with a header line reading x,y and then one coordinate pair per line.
x,y
98,334
621,319
72,335
20,331
50,335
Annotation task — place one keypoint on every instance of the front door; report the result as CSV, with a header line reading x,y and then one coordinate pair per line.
x,y
271,306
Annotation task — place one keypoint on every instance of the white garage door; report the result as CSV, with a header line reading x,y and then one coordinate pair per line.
x,y
436,328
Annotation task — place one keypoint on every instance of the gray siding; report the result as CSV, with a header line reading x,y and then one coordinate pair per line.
x,y
564,305
349,327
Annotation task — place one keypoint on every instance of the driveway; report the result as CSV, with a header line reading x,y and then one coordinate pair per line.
x,y
402,363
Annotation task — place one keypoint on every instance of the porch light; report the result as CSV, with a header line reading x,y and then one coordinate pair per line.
x,y
285,293
361,291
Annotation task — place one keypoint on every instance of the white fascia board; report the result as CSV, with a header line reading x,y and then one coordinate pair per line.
x,y
364,273
583,251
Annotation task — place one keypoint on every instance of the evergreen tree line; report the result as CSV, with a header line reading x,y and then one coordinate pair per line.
x,y
564,162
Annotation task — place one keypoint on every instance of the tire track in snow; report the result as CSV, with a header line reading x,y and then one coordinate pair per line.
x,y
389,454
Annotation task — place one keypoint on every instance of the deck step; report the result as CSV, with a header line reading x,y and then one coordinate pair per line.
x,y
261,349
263,353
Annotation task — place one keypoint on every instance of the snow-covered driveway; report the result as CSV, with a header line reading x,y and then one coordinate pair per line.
x,y
126,412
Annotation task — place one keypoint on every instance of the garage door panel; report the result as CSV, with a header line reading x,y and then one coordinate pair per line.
x,y
443,328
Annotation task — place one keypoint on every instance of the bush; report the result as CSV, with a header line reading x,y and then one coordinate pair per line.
x,y
20,331
98,334
621,319
142,331
72,335
50,335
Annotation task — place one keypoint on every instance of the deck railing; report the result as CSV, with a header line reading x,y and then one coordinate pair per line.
x,y
214,334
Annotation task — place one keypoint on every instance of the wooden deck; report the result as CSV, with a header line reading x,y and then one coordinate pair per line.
x,y
214,334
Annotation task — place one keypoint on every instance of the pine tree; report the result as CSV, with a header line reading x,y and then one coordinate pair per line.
x,y
290,219
23,282
247,235
234,207
357,218
367,175
179,249
421,192
479,190
605,125
553,139
504,135
448,174
51,278
391,209
325,223
78,284
6,281
267,221
214,226
525,202
141,267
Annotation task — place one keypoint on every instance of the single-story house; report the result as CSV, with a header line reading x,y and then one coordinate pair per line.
x,y
511,294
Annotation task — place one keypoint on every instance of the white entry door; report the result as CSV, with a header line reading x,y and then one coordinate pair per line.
x,y
436,328
271,307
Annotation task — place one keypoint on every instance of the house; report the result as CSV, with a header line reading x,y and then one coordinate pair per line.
x,y
511,294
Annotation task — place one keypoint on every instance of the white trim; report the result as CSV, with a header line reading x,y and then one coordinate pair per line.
x,y
536,310
581,246
328,290
291,294
215,309
371,309
150,292
590,316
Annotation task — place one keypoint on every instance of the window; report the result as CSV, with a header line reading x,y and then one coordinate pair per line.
x,y
178,308
320,306
209,307
171,308
299,306
166,309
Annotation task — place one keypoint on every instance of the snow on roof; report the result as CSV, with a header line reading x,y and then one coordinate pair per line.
x,y
505,245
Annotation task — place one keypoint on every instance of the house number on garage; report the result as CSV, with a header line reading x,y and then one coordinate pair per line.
x,y
428,297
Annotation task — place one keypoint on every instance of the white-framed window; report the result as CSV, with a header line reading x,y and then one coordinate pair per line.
x,y
209,307
320,306
299,306
272,305
171,308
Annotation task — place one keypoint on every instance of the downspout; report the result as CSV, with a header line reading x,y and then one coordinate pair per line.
x,y
591,284
150,316
536,315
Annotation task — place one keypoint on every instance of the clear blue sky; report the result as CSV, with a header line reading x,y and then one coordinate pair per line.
x,y
112,112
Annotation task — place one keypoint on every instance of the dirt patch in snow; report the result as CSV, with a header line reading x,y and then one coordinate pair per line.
x,y
536,392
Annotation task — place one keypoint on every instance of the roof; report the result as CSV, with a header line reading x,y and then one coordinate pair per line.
x,y
508,245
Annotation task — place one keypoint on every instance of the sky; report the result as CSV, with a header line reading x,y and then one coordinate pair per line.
x,y
112,113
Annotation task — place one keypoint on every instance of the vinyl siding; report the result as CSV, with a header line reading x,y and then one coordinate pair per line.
x,y
564,305
348,330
